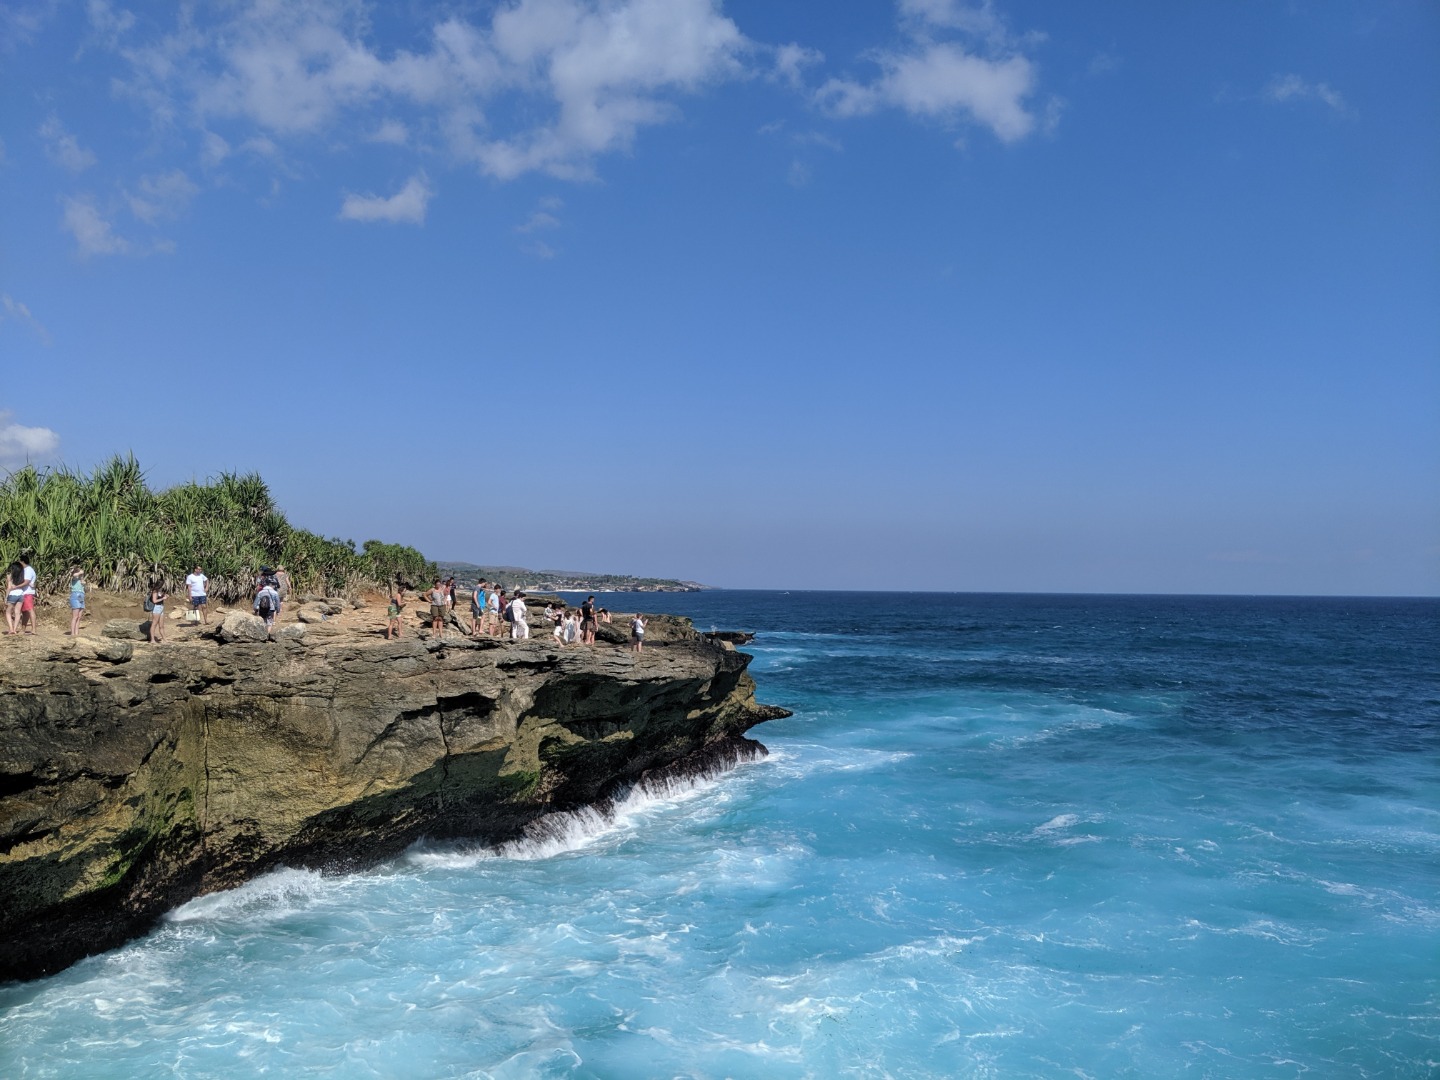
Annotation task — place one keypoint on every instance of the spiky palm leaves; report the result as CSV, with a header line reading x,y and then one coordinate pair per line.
x,y
125,536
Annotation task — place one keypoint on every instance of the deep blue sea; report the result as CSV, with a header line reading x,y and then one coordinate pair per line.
x,y
1002,836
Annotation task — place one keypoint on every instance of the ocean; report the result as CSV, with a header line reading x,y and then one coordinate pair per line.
x,y
1002,836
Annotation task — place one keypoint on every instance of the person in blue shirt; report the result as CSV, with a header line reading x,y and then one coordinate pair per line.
x,y
77,600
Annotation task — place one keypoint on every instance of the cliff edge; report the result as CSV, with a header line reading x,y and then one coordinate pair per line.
x,y
134,777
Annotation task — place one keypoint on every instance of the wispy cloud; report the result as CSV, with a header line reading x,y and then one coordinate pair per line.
x,y
391,131
63,148
1283,88
21,445
162,195
12,310
406,206
93,234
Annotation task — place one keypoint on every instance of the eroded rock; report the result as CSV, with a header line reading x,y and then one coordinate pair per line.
x,y
134,779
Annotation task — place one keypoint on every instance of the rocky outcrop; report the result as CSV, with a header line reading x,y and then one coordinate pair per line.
x,y
133,777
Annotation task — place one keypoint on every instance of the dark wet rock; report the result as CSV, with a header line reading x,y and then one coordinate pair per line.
x,y
134,778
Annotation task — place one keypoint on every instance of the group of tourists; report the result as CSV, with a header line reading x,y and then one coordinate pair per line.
x,y
493,613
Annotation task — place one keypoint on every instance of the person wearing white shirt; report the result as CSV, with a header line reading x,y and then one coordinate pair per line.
x,y
199,586
519,628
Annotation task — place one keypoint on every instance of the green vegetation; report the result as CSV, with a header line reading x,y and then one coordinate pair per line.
x,y
124,535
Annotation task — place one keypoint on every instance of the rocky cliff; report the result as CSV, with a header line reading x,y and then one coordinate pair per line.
x,y
133,777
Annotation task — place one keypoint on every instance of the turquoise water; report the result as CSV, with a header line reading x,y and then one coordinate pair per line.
x,y
1001,837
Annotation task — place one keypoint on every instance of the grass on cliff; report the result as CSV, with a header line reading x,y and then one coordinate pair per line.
x,y
124,535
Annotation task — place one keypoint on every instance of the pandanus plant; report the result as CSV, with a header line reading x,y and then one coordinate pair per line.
x,y
125,536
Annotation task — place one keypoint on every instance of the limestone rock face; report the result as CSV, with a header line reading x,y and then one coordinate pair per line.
x,y
312,613
241,627
135,777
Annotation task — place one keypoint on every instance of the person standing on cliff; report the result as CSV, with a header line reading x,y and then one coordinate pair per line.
x,y
199,586
397,604
587,621
157,613
438,607
477,609
77,600
28,597
637,633
519,628
14,597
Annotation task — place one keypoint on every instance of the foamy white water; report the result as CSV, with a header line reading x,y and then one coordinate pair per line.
x,y
1073,837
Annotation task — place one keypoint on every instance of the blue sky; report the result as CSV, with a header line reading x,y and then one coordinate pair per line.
x,y
1124,297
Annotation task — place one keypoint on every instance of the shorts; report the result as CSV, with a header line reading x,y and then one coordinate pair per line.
x,y
158,610
77,603
14,597
198,601
437,611
28,602
393,611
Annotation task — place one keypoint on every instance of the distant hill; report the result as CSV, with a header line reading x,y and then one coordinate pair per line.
x,y
518,577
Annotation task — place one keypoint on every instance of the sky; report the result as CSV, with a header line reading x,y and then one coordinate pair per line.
x,y
924,294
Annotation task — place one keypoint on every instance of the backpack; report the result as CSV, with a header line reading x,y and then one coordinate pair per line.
x,y
509,614
149,604
262,603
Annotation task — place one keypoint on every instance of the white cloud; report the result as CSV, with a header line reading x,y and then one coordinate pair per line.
x,y
944,81
539,220
93,234
406,205
21,445
792,60
213,150
162,195
13,310
539,249
63,148
1293,88
978,20
799,174
589,74
391,131
983,78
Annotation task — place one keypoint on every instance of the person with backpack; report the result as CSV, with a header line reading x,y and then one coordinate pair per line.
x,y
155,605
267,603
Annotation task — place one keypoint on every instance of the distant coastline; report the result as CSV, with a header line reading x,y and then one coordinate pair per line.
x,y
519,577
